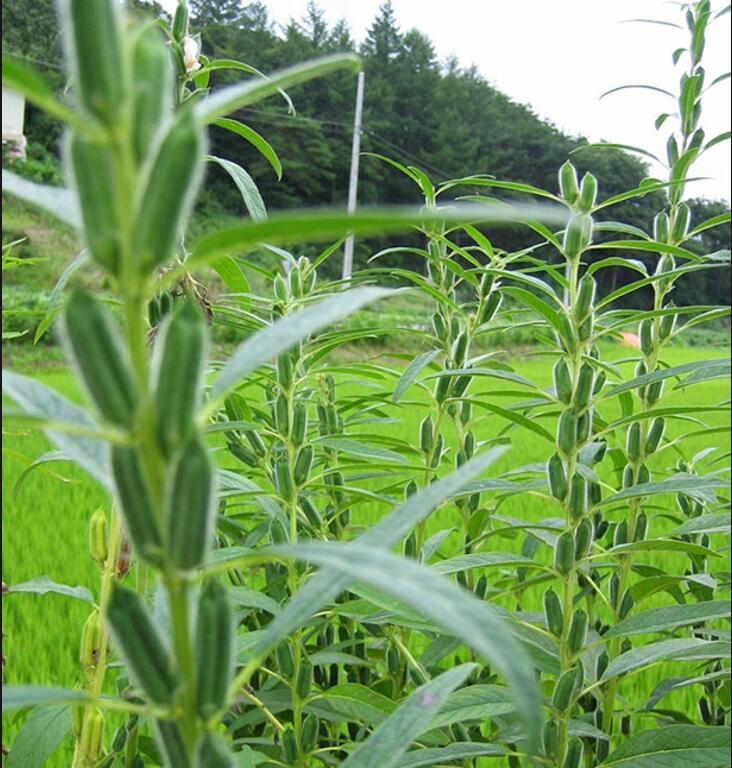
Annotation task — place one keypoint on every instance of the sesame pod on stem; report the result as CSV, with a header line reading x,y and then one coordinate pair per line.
x,y
180,21
680,226
303,463
564,553
550,737
426,436
289,747
575,753
98,537
654,391
284,370
95,180
311,512
614,590
295,280
309,733
94,38
557,477
577,631
279,287
171,745
626,605
645,331
91,643
139,643
568,186
564,690
135,503
178,367
667,323
587,193
285,661
243,454
152,95
442,388
490,307
583,539
214,648
304,681
655,434
191,505
600,381
620,536
284,479
584,427
460,349
439,327
282,415
215,752
567,432
256,442
641,527
661,227
562,381
633,442
585,296
169,191
585,381
553,613
299,423
486,284
577,236
577,504
92,734
96,348
461,385
594,493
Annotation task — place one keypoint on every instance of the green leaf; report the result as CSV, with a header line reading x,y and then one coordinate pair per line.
x,y
678,746
246,186
21,696
354,448
662,374
454,753
473,703
481,560
719,523
682,649
680,483
42,732
659,619
266,344
58,201
393,737
412,371
460,614
250,135
233,97
55,300
42,585
231,273
354,702
38,400
243,597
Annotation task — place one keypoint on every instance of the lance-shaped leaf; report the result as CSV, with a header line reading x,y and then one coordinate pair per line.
x,y
659,619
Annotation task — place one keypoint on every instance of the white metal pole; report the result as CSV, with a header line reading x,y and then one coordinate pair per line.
x,y
353,183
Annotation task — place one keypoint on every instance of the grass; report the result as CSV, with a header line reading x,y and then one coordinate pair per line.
x,y
45,526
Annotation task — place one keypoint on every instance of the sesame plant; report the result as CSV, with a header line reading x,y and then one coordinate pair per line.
x,y
252,608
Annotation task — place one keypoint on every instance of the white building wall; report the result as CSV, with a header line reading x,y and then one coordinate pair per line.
x,y
13,119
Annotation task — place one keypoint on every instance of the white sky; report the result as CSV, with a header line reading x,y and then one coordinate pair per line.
x,y
559,56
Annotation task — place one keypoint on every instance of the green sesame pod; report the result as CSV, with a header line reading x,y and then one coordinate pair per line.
x,y
426,436
284,479
299,423
645,331
585,329
557,477
600,381
577,503
460,349
583,539
152,95
644,476
153,311
303,463
135,503
278,532
243,454
481,587
588,193
562,382
568,187
680,227
490,307
626,605
96,186
564,553
461,385
255,441
469,444
575,753
92,734
120,739
655,434
304,681
295,280
661,228
279,287
585,381
553,613
410,489
667,323
309,734
577,631
654,391
486,284
311,512
584,427
98,538
442,388
91,643
180,21
191,505
466,411
95,49
577,236
289,747
178,365
585,296
282,415
215,752
214,648
614,589
171,745
641,370
393,662
594,493
633,442
641,527
439,327
332,420
437,453
620,536
284,370
285,660
567,432
564,690
96,348
140,645
628,476
169,192
550,737
410,546
77,715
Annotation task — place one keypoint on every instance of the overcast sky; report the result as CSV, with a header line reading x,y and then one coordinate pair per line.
x,y
559,56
